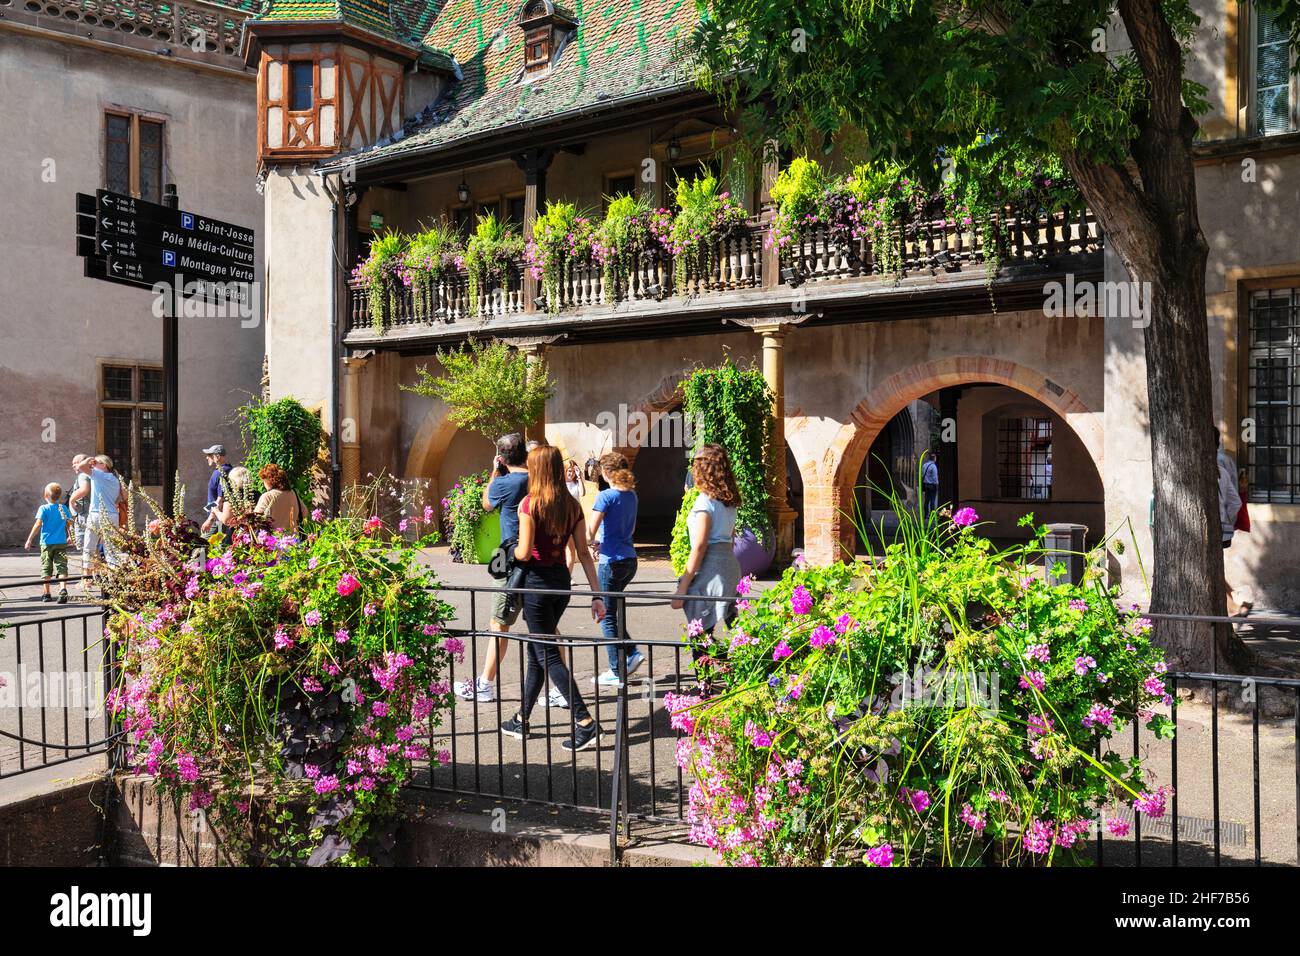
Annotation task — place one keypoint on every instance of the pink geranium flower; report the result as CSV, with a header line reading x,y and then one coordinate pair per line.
x,y
882,855
965,518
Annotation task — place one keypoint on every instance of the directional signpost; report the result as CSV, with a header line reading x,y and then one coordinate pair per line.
x,y
157,246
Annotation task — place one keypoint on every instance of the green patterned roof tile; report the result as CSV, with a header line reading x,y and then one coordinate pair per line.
x,y
619,48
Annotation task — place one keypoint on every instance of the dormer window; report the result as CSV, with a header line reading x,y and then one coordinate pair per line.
x,y
545,28
537,53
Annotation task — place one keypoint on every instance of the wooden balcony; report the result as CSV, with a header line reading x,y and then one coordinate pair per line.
x,y
741,277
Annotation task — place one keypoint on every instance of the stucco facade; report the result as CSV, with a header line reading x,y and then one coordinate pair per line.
x,y
59,327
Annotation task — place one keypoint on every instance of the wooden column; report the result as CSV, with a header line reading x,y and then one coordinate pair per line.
x,y
350,424
771,255
534,162
773,331
534,350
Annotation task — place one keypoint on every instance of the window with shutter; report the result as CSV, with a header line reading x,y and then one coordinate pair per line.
x,y
1272,87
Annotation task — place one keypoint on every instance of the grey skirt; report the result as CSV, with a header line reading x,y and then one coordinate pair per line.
x,y
717,577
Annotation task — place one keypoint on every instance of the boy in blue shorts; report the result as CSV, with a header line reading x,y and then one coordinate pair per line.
x,y
52,520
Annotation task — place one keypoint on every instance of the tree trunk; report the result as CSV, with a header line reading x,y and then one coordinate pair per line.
x,y
1151,222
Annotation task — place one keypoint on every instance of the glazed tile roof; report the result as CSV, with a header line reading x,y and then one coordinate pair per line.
x,y
387,20
620,48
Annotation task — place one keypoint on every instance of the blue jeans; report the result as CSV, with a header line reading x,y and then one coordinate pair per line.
x,y
614,575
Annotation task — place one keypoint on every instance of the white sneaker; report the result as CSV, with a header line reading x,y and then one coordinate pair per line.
x,y
610,679
556,699
478,689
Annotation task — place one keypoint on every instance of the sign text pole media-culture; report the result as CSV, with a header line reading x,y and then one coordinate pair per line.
x,y
134,242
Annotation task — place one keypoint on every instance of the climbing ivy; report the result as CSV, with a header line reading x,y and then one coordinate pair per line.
x,y
731,407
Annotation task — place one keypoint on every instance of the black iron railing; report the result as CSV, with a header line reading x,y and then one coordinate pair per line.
x,y
1221,774
57,669
636,778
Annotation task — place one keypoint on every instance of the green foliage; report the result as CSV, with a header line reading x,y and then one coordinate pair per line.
x,y
284,433
996,177
463,509
941,698
679,549
430,254
280,688
731,407
561,239
888,197
491,389
797,192
381,272
910,79
632,228
706,214
488,255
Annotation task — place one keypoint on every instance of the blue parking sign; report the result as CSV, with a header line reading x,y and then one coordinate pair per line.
x,y
187,220
169,257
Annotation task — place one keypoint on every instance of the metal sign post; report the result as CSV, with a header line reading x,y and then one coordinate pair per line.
x,y
171,382
149,245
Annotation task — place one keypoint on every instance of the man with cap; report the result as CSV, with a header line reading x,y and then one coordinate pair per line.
x,y
216,456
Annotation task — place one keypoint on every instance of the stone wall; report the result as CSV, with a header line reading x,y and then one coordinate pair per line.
x,y
59,326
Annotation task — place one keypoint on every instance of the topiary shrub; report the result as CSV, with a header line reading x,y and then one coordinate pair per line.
x,y
286,433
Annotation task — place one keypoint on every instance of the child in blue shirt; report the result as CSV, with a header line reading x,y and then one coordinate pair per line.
x,y
52,520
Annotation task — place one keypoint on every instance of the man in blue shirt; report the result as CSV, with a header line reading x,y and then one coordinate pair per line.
x,y
503,493
929,484
216,456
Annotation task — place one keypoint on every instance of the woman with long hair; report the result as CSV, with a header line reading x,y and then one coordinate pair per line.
x,y
712,568
573,479
613,519
550,523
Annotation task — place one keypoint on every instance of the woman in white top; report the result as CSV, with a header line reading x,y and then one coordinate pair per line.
x,y
107,497
573,479
712,568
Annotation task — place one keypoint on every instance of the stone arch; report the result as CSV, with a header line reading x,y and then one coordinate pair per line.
x,y
843,458
430,444
429,451
663,398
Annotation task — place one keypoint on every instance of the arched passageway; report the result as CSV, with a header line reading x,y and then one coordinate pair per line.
x,y
1007,485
